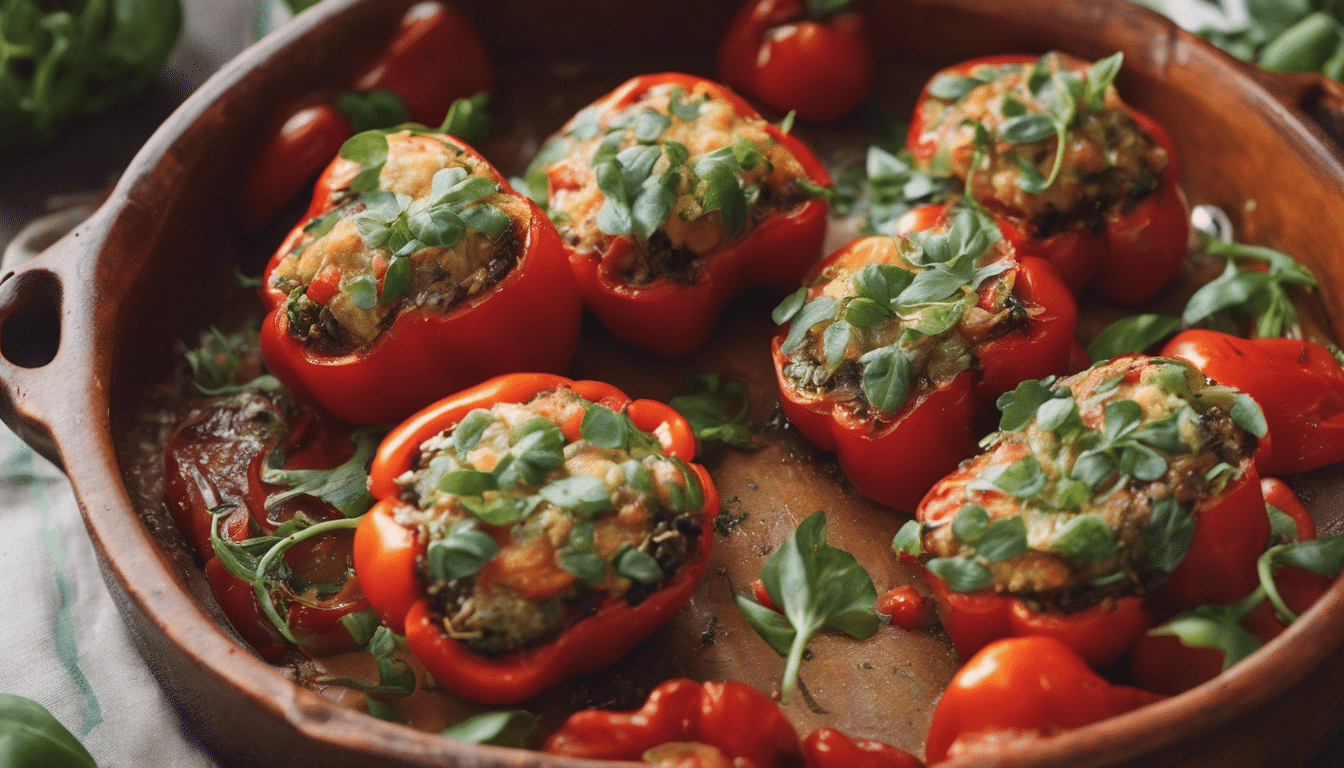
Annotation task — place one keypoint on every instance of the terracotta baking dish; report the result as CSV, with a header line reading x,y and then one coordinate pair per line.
x,y
89,325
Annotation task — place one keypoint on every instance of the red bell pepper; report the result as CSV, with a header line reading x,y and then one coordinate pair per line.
x,y
213,459
714,724
791,59
528,320
830,748
1022,687
1218,564
1298,384
669,315
1138,248
890,457
435,58
1100,634
386,553
1164,664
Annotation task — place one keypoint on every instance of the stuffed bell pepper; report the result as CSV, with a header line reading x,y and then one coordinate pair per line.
x,y
1103,497
895,346
671,194
416,271
1072,172
532,528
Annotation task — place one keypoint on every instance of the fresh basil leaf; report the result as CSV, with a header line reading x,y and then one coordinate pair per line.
x,y
1246,413
962,574
1141,462
437,226
773,627
817,586
1086,537
637,565
468,482
1168,535
505,728
1059,414
1324,555
1019,407
970,523
345,486
818,310
789,307
584,495
952,87
835,341
467,434
396,280
1120,417
1212,626
1099,77
1004,539
709,411
605,428
461,552
1023,478
863,312
908,539
724,194
1026,129
369,149
486,219
1134,333
1093,468
1282,526
650,125
887,372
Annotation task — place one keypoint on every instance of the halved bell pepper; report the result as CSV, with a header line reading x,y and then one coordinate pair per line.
x,y
673,314
1015,323
524,319
1299,385
387,552
1127,252
1102,496
1018,688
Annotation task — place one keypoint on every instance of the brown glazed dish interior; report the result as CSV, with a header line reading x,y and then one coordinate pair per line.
x,y
90,324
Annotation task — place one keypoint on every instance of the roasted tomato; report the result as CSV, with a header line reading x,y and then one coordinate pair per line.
x,y
810,58
671,194
892,340
1299,384
1132,479
713,725
1072,172
1019,688
416,272
435,58
228,464
532,528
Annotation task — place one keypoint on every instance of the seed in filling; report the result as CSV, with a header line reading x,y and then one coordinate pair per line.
x,y
678,174
526,531
877,332
420,230
1057,508
1107,161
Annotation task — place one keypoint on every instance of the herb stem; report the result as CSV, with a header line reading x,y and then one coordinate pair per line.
x,y
259,584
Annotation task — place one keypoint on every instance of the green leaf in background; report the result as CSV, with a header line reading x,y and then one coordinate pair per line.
x,y
505,728
31,737
61,61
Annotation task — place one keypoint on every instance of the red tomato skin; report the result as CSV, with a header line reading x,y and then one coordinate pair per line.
x,y
436,57
830,748
821,70
1026,685
1298,384
291,156
745,724
907,608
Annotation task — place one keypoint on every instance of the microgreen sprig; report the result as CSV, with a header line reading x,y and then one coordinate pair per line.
x,y
815,586
708,409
